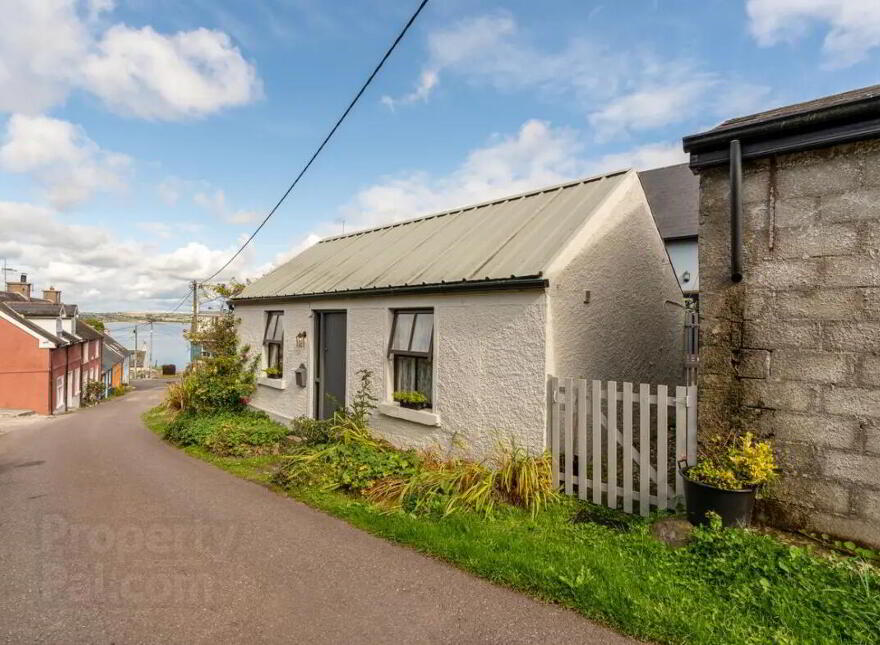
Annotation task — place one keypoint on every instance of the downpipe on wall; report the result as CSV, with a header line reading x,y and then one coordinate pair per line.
x,y
736,224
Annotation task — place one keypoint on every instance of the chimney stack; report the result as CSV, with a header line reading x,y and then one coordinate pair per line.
x,y
52,295
22,288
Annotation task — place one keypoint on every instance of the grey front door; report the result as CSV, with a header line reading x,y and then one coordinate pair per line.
x,y
330,359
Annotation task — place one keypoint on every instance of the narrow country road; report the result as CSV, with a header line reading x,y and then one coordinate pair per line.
x,y
108,535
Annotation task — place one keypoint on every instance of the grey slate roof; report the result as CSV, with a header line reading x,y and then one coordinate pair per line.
x,y
504,239
110,357
115,345
826,102
114,352
9,311
674,197
37,309
84,330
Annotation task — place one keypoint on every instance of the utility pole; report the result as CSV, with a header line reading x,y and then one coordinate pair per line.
x,y
195,320
150,365
194,327
135,350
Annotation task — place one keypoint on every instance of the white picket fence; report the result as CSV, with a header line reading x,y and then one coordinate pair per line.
x,y
591,428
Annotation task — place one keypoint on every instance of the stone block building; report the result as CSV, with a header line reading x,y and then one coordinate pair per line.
x,y
789,245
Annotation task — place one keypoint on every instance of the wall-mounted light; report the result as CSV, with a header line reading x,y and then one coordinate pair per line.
x,y
301,339
686,276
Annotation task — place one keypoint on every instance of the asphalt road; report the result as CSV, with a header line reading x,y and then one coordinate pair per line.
x,y
108,535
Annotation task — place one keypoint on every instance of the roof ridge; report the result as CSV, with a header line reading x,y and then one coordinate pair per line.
x,y
460,209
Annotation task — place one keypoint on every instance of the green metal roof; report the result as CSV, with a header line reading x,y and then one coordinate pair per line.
x,y
503,240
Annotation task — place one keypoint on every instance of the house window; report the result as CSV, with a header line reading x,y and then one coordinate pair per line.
x,y
411,351
59,391
273,344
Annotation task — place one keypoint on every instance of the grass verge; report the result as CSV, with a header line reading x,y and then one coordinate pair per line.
x,y
726,586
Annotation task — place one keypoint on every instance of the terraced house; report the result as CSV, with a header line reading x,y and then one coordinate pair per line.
x,y
47,354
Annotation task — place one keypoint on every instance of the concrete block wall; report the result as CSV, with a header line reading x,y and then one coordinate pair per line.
x,y
793,351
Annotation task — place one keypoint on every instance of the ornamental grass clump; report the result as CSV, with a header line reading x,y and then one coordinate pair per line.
x,y
746,463
451,485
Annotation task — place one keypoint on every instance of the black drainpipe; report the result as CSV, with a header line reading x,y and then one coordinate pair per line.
x,y
736,225
66,369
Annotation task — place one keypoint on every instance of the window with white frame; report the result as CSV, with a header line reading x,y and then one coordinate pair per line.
x,y
273,344
59,391
411,351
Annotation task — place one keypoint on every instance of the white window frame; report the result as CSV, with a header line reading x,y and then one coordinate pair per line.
x,y
394,354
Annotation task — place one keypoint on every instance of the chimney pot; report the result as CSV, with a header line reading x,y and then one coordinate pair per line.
x,y
52,295
23,287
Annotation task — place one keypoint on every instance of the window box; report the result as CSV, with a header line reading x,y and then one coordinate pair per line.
x,y
275,383
424,417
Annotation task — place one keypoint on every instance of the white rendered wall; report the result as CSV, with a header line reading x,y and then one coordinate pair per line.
x,y
631,328
489,365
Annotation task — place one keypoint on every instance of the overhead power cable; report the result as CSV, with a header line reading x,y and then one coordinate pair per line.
x,y
327,138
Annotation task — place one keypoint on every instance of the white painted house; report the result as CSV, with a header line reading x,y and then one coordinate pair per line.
x,y
474,307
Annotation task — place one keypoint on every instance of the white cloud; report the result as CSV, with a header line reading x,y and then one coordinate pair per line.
x,y
620,91
853,26
52,50
153,76
167,230
652,155
41,45
657,103
536,155
489,49
97,7
214,201
169,190
64,160
95,268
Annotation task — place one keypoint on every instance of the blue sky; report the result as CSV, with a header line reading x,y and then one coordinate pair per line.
x,y
140,140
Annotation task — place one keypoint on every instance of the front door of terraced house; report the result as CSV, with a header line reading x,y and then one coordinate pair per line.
x,y
330,332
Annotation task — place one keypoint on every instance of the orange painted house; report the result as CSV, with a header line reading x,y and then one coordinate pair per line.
x,y
46,354
27,367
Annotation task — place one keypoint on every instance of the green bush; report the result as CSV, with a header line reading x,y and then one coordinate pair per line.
x,y
222,383
351,467
92,392
234,434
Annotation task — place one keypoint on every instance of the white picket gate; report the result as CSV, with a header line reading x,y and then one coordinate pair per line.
x,y
591,428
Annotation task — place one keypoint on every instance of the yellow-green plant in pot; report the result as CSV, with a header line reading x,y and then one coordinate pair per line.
x,y
727,480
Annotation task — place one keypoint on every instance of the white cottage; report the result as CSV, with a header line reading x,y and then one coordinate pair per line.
x,y
475,308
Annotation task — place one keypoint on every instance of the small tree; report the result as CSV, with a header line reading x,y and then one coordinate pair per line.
x,y
226,379
95,323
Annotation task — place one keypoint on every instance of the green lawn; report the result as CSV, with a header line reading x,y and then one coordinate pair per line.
x,y
725,587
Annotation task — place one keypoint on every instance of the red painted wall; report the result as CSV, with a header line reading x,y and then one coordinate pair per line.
x,y
91,349
24,370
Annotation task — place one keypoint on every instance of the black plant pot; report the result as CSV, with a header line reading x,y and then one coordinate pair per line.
x,y
733,506
413,406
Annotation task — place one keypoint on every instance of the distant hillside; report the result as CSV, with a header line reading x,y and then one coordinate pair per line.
x,y
135,317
